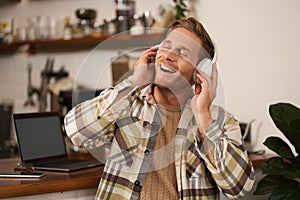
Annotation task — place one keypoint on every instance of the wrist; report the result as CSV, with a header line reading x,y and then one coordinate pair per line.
x,y
203,123
134,82
137,82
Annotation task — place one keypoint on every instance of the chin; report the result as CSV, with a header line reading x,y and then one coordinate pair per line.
x,y
177,84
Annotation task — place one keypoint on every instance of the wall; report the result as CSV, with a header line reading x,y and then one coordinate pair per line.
x,y
257,41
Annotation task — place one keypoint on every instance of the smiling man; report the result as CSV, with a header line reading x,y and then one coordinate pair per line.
x,y
164,137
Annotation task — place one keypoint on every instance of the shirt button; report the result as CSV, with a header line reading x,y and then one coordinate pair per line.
x,y
146,151
137,183
98,117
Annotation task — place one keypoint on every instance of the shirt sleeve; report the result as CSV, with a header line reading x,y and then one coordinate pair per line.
x,y
233,171
91,123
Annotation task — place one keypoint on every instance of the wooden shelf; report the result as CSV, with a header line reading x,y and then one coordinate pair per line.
x,y
2,2
61,45
10,48
102,42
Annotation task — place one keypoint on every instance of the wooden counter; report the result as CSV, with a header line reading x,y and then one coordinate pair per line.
x,y
257,160
61,181
51,182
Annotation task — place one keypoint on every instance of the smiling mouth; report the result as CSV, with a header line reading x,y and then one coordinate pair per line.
x,y
166,69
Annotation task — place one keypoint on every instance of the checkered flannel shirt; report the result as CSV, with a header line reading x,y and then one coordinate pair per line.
x,y
124,121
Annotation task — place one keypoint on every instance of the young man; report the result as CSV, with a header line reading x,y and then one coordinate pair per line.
x,y
164,138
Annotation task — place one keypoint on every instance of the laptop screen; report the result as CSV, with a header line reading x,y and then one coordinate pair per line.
x,y
39,135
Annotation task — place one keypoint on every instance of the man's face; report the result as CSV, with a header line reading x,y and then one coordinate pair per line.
x,y
176,59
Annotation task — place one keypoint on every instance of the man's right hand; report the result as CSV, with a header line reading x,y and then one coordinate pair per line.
x,y
144,70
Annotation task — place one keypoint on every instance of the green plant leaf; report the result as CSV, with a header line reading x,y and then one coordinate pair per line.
x,y
277,166
286,192
277,145
180,9
267,184
285,116
182,3
279,187
295,126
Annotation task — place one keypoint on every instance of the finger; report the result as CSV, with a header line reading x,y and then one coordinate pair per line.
x,y
151,49
151,57
214,72
149,54
146,57
202,78
215,76
205,81
155,47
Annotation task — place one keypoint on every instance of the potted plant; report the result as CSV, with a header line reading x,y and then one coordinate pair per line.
x,y
180,9
282,178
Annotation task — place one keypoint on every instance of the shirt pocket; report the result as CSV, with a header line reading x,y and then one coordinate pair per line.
x,y
129,142
122,150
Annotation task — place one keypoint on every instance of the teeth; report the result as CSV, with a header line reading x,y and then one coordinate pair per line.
x,y
164,68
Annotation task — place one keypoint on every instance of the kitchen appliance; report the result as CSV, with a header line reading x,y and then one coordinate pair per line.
x,y
125,10
86,17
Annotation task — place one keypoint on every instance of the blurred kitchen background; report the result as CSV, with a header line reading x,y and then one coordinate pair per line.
x,y
258,43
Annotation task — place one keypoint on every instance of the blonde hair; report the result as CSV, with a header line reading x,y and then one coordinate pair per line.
x,y
197,28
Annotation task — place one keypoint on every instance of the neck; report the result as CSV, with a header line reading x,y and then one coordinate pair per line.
x,y
166,96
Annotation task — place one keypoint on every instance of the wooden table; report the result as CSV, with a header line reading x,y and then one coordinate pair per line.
x,y
61,181
51,182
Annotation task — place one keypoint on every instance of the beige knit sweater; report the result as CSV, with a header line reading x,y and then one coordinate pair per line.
x,y
160,183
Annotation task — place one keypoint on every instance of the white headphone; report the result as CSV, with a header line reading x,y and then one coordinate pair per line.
x,y
205,65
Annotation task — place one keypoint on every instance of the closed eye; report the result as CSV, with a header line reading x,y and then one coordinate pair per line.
x,y
180,50
183,52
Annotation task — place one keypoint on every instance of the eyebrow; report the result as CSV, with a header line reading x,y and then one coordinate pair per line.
x,y
166,41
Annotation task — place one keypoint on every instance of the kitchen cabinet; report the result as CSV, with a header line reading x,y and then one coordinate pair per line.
x,y
120,41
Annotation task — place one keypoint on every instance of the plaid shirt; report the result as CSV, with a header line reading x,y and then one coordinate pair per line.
x,y
125,127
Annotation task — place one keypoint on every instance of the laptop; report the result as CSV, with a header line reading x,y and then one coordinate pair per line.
x,y
41,143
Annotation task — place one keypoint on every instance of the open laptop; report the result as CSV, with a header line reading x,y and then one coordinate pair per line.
x,y
41,143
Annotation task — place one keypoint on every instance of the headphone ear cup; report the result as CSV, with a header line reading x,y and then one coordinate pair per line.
x,y
205,66
195,76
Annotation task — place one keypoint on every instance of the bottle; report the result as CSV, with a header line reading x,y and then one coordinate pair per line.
x,y
67,29
138,27
110,26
